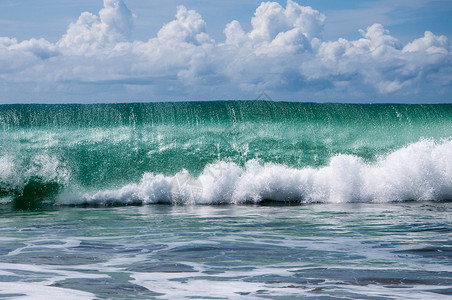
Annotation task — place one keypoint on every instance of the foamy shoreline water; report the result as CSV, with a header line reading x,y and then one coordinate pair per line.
x,y
350,250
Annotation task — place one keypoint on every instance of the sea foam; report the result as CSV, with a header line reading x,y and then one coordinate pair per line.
x,y
421,171
16,172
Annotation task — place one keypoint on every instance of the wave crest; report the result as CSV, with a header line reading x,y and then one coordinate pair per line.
x,y
33,182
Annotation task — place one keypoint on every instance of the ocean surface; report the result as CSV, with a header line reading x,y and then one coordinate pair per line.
x,y
228,199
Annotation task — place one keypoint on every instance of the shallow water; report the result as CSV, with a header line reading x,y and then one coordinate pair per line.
x,y
321,251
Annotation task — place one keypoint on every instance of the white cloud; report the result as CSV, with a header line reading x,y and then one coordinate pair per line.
x,y
378,60
282,52
92,34
189,27
40,48
271,19
429,43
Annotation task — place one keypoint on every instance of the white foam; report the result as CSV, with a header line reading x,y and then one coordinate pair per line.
x,y
420,171
151,189
37,291
15,172
7,171
44,289
68,243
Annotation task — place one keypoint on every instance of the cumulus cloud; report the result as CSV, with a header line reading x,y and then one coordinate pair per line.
x,y
189,27
282,52
271,19
429,43
92,34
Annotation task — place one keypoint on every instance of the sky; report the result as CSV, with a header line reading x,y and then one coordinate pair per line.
x,y
90,51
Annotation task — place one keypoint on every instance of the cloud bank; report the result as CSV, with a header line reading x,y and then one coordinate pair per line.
x,y
283,53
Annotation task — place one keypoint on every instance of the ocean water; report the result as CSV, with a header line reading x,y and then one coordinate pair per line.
x,y
233,199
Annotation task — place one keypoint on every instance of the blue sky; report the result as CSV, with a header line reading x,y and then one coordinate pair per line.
x,y
134,50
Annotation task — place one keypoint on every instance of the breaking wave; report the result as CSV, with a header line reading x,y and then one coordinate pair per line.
x,y
421,171
225,152
33,183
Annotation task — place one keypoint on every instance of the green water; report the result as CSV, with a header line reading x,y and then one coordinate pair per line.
x,y
93,147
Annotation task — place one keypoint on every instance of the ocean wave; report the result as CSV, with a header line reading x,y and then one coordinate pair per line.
x,y
31,183
421,171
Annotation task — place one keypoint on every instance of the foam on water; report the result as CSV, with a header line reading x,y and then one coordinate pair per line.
x,y
41,292
421,171
184,252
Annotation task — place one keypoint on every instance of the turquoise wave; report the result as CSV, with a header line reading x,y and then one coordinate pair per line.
x,y
48,150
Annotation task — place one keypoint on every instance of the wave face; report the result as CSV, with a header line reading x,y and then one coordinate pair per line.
x,y
223,152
